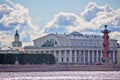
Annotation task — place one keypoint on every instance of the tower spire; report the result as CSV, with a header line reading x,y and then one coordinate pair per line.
x,y
16,34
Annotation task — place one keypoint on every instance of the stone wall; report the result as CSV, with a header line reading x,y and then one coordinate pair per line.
x,y
34,68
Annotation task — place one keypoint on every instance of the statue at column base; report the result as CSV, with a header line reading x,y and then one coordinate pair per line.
x,y
105,61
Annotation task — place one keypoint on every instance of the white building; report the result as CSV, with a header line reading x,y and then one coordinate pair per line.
x,y
73,48
16,43
16,46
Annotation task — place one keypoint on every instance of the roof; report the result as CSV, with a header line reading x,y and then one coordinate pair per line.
x,y
75,33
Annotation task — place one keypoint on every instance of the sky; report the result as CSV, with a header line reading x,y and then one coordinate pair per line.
x,y
36,18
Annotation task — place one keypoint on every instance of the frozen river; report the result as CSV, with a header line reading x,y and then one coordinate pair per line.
x,y
61,75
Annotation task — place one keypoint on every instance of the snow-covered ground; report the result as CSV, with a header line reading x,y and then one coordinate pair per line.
x,y
61,75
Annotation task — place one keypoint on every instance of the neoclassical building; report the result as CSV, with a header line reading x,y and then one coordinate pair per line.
x,y
74,48
118,55
16,46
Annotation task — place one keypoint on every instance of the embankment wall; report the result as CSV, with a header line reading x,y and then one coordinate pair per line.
x,y
34,68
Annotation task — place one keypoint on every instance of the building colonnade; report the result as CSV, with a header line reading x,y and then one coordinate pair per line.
x,y
78,56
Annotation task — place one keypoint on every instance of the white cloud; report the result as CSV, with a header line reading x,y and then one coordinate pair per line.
x,y
66,22
15,16
93,18
110,18
115,35
62,19
92,9
5,38
101,15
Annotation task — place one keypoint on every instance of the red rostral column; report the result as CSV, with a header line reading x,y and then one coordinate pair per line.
x,y
105,45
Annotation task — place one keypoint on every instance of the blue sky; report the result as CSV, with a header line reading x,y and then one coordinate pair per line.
x,y
44,16
43,11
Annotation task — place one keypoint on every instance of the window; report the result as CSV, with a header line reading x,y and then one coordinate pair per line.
x,y
67,59
77,59
62,51
56,42
73,51
42,51
68,51
62,59
51,52
81,43
72,59
94,44
47,52
57,51
37,51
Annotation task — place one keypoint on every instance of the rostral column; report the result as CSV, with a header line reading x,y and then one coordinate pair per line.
x,y
105,45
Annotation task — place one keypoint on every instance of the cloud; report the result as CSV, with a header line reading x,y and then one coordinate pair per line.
x,y
101,15
66,22
110,18
115,35
92,19
60,21
92,10
5,38
12,16
15,16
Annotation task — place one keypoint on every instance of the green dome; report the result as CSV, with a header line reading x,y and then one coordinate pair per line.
x,y
75,33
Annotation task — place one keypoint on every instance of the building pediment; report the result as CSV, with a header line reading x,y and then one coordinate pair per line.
x,y
51,40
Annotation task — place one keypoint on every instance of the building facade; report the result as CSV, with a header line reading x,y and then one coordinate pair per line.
x,y
118,54
74,48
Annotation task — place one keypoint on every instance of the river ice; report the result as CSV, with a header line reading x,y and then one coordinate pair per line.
x,y
61,75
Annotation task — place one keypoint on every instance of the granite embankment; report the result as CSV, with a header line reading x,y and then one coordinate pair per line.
x,y
34,68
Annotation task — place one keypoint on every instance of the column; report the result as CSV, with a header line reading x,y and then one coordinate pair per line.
x,y
75,57
84,56
97,56
101,53
88,56
93,56
59,57
70,56
65,56
110,56
116,56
